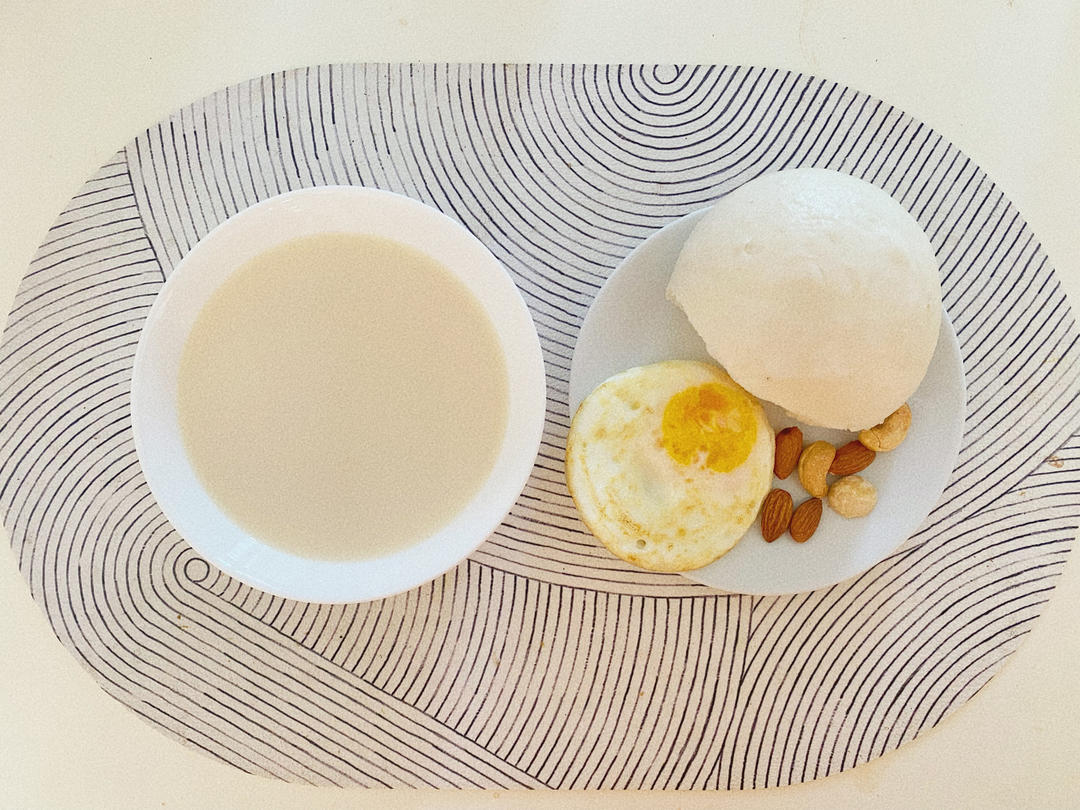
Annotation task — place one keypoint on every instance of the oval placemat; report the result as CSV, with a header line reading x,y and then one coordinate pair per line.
x,y
542,660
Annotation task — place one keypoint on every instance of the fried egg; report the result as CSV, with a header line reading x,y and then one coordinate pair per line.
x,y
669,463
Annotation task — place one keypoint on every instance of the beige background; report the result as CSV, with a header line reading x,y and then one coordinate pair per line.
x,y
1000,79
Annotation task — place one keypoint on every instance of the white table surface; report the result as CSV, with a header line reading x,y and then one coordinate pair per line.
x,y
999,78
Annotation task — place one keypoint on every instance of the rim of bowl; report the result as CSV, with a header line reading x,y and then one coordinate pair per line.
x,y
158,442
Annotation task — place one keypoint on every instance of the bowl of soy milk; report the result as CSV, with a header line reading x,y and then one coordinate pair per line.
x,y
338,394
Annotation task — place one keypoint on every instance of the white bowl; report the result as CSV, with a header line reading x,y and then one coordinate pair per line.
x,y
155,421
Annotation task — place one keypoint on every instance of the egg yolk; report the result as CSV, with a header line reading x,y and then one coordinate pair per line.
x,y
709,424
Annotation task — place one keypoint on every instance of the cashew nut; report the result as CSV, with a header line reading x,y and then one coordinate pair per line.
x,y
888,434
814,466
852,496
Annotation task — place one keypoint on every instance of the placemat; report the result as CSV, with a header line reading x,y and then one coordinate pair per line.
x,y
542,661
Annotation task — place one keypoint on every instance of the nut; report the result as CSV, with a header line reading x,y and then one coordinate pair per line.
x,y
775,514
852,496
804,521
788,448
853,457
888,434
814,466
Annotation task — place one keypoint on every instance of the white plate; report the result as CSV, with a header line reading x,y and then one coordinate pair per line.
x,y
631,323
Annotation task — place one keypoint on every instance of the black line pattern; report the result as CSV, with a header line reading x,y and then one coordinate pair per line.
x,y
541,661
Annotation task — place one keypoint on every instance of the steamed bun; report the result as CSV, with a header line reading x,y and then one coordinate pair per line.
x,y
814,290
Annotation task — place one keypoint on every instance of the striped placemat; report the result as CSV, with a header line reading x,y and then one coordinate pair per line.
x,y
542,660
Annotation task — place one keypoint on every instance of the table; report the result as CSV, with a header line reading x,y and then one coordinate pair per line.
x,y
76,84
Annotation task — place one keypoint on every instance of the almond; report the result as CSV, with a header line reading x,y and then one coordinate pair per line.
x,y
788,450
814,466
775,514
804,521
853,457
